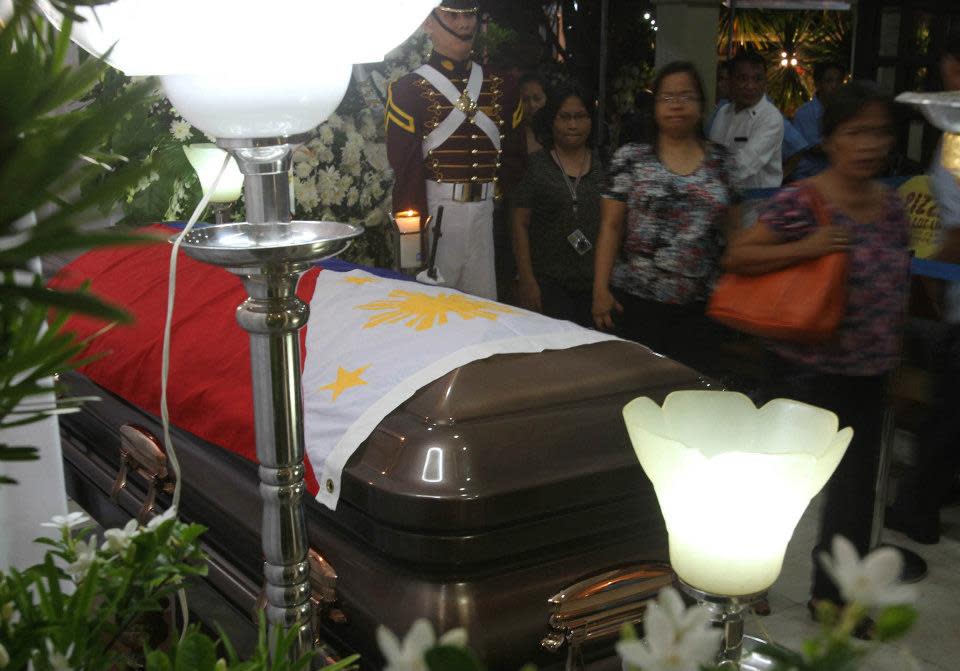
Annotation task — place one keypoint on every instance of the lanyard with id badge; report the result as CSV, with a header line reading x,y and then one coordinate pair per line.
x,y
580,243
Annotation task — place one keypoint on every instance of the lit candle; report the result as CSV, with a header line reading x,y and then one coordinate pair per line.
x,y
408,223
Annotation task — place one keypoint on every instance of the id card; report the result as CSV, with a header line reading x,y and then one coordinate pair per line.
x,y
580,243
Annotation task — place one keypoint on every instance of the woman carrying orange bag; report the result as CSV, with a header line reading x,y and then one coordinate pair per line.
x,y
846,374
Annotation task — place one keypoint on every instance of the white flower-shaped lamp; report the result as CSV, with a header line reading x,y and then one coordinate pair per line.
x,y
206,160
732,480
275,69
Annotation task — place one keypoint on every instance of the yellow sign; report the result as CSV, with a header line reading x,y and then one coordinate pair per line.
x,y
923,213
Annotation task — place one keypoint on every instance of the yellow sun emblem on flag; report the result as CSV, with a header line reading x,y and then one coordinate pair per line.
x,y
421,311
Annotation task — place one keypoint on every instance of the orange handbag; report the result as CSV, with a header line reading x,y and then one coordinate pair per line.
x,y
802,303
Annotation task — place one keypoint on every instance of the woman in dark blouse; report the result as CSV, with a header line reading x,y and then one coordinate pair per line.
x,y
556,211
665,212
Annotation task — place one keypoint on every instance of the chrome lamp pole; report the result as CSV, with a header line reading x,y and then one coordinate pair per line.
x,y
269,252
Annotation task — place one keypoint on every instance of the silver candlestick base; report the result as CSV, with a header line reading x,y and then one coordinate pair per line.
x,y
269,253
736,651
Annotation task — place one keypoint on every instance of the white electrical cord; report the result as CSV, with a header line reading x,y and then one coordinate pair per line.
x,y
165,365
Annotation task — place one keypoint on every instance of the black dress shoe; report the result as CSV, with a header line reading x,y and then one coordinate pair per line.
x,y
924,529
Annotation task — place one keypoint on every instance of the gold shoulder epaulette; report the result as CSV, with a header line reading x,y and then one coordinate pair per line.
x,y
397,115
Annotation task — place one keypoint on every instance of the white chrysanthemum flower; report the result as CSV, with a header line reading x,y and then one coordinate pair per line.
x,y
374,218
872,581
334,121
408,656
325,135
68,521
305,193
180,130
118,540
676,638
166,516
86,556
353,195
349,125
395,73
376,190
414,60
58,661
302,169
376,153
367,126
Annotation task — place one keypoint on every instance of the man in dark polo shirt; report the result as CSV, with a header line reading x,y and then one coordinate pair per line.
x,y
453,140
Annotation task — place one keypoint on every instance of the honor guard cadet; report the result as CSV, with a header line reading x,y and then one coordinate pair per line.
x,y
453,139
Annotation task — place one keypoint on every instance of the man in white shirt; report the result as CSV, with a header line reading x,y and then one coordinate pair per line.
x,y
751,127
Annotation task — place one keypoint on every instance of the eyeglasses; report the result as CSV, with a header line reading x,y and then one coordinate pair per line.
x,y
685,99
563,116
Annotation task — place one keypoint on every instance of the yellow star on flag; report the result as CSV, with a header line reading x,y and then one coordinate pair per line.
x,y
345,380
359,281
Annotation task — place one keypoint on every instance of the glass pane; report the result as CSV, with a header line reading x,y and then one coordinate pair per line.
x,y
889,31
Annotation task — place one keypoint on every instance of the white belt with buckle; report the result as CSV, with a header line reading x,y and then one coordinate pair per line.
x,y
472,192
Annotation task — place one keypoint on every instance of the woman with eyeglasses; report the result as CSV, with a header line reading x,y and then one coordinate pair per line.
x,y
847,374
664,216
556,210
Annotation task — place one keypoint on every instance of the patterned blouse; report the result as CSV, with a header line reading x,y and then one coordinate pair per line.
x,y
674,233
867,340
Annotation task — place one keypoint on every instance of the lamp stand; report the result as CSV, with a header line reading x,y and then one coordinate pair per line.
x,y
221,212
727,611
269,252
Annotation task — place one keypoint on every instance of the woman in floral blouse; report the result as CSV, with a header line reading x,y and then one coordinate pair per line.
x,y
664,215
848,373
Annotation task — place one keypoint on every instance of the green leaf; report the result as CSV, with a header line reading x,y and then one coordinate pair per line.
x,y
18,453
74,301
158,661
893,622
451,658
344,663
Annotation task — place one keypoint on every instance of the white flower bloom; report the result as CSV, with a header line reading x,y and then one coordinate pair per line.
x,y
421,637
872,581
180,130
86,556
367,126
68,521
326,135
353,195
305,193
395,73
166,516
349,125
302,169
4,657
374,218
677,638
58,661
118,540
334,121
414,60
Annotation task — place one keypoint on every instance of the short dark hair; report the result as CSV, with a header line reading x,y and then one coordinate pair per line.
x,y
532,78
847,102
556,96
748,56
821,69
676,68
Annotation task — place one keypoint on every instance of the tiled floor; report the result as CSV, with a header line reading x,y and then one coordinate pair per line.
x,y
934,643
